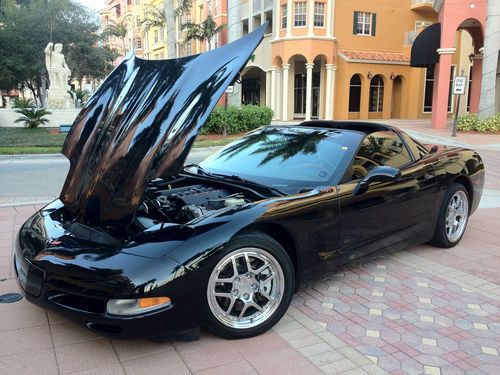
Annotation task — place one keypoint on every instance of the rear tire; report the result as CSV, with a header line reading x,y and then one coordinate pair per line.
x,y
250,287
453,217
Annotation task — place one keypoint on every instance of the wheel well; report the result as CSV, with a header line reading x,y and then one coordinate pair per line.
x,y
283,237
463,180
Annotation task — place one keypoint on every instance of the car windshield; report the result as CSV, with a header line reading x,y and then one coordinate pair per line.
x,y
288,159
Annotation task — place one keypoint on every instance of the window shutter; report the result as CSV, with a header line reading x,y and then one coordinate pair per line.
x,y
355,23
374,23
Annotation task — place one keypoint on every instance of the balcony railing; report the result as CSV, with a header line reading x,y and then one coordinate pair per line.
x,y
410,37
422,2
256,6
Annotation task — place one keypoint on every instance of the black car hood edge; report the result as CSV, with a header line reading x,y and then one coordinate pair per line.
x,y
140,124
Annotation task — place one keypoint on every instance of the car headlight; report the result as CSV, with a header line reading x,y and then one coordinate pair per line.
x,y
137,305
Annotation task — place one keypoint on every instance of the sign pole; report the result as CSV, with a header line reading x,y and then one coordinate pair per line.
x,y
459,84
455,120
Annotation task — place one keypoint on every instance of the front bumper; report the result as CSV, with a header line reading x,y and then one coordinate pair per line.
x,y
76,281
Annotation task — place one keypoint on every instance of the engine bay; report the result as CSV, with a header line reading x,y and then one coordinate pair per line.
x,y
181,201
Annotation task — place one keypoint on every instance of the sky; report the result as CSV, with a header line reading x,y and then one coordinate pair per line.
x,y
94,4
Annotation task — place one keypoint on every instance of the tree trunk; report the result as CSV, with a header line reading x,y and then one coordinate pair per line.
x,y
170,18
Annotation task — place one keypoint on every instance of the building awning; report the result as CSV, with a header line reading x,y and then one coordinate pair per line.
x,y
424,50
374,57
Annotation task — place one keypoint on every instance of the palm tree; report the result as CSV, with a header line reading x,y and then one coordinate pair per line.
x,y
164,16
117,30
204,31
24,103
32,117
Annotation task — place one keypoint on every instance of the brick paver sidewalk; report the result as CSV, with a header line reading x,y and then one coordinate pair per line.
x,y
423,310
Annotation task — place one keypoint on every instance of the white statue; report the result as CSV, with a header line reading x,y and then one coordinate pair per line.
x,y
59,74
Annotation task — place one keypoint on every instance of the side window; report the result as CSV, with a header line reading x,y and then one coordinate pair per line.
x,y
416,148
380,148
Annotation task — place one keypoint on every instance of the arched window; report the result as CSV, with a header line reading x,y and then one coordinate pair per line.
x,y
376,94
354,93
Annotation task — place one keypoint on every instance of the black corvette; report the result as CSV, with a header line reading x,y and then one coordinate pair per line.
x,y
139,245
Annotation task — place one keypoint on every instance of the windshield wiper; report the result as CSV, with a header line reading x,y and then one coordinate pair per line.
x,y
244,180
199,170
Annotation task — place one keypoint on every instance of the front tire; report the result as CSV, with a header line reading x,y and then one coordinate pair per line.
x,y
453,217
250,287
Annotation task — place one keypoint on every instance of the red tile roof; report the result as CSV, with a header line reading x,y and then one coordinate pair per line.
x,y
376,56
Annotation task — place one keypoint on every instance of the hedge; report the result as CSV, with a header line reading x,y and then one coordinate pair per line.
x,y
474,123
237,120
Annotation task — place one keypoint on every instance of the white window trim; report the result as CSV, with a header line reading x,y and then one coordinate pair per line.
x,y
284,16
363,23
425,88
305,14
323,14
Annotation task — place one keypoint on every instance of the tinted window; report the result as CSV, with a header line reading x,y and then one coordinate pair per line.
x,y
380,148
288,159
416,148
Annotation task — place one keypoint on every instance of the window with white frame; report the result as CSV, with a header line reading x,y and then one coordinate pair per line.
x,y
155,39
162,34
209,7
138,43
364,23
283,17
319,14
300,14
189,49
137,2
216,7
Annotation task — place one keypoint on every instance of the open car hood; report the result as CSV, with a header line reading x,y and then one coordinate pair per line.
x,y
140,124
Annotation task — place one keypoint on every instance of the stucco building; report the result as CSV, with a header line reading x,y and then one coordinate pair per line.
x,y
350,59
342,59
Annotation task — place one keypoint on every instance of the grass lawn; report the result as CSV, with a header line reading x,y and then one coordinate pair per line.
x,y
41,141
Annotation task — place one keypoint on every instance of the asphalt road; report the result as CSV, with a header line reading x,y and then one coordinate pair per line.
x,y
32,177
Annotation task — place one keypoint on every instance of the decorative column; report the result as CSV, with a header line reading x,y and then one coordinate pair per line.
x,y
475,90
310,18
250,15
262,12
268,89
276,19
329,17
273,90
289,12
309,73
285,69
441,88
330,90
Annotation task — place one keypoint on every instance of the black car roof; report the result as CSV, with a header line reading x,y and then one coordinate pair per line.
x,y
360,126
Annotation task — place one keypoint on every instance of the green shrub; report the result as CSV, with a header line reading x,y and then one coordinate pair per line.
x,y
237,120
467,122
474,123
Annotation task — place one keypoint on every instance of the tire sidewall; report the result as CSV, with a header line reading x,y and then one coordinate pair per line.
x,y
440,237
266,243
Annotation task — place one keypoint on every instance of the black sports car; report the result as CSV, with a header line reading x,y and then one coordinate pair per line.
x,y
139,245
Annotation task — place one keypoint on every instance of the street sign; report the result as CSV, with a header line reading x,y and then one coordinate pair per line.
x,y
459,84
230,89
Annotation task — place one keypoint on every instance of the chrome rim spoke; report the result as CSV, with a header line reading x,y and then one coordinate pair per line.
x,y
456,216
246,299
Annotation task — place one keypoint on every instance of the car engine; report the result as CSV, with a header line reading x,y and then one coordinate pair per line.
x,y
185,203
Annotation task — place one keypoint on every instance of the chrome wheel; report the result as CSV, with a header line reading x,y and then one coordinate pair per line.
x,y
245,288
456,216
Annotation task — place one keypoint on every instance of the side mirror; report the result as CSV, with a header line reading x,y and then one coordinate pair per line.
x,y
377,174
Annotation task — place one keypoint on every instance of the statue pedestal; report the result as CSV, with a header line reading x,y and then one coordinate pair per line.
x,y
59,99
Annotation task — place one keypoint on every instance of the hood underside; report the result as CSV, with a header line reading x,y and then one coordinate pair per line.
x,y
140,124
